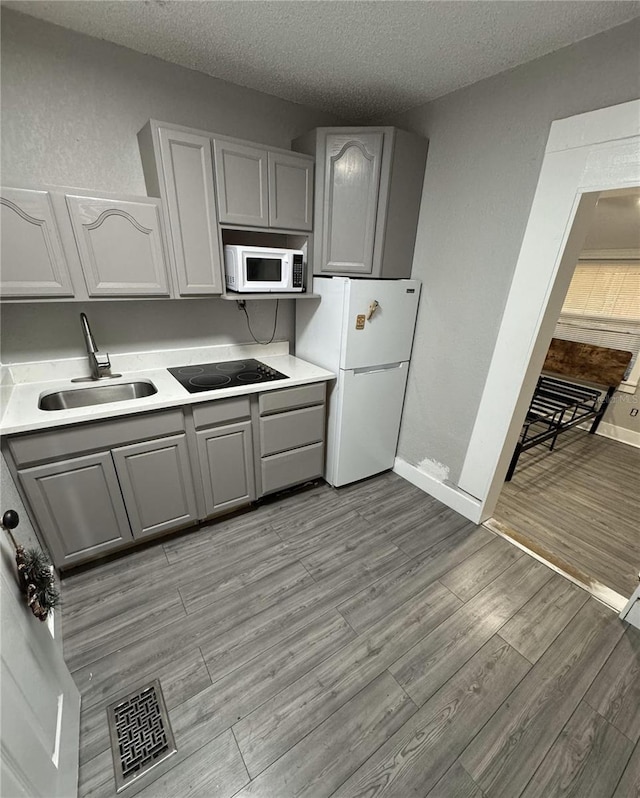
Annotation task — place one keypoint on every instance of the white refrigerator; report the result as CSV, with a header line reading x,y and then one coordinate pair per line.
x,y
363,331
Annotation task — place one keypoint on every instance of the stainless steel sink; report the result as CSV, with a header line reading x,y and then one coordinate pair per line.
x,y
96,395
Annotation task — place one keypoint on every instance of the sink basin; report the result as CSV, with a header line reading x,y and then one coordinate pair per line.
x,y
96,395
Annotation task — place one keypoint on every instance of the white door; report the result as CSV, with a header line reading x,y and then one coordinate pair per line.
x,y
385,337
40,704
367,407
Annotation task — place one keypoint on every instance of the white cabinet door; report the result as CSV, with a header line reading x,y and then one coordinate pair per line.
x,y
241,183
33,261
120,245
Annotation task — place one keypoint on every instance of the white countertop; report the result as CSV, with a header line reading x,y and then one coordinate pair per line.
x,y
23,415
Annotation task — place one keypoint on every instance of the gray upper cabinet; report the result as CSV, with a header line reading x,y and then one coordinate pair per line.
x,y
257,187
350,202
157,485
290,191
178,168
121,246
241,183
367,199
78,507
33,260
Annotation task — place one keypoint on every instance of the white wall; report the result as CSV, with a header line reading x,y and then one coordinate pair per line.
x,y
71,108
486,145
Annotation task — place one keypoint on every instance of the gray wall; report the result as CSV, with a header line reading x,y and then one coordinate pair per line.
x,y
72,106
486,145
43,331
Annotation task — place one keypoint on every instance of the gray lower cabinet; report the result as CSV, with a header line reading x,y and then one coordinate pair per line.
x,y
121,246
33,260
154,471
78,506
292,434
157,484
226,460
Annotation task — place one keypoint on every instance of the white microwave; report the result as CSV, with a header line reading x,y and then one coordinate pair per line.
x,y
263,268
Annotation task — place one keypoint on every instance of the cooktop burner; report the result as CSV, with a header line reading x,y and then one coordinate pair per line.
x,y
209,376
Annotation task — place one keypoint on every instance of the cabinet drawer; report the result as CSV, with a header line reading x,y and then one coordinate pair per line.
x,y
212,413
291,430
291,468
290,398
63,441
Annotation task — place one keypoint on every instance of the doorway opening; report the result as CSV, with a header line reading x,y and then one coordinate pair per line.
x,y
573,497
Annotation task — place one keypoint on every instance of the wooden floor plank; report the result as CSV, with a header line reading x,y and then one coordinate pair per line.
x,y
200,589
533,628
242,691
456,783
506,753
581,502
228,650
629,784
216,770
124,626
150,652
615,693
586,760
417,534
433,660
392,590
479,570
263,650
281,722
412,760
320,762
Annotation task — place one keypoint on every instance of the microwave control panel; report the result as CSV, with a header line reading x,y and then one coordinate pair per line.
x,y
297,276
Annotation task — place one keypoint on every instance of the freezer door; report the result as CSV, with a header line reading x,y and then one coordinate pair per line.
x,y
366,405
385,334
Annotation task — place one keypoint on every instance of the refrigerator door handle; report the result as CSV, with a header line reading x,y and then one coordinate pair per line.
x,y
373,369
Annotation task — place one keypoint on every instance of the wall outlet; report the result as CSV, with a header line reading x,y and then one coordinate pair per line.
x,y
634,411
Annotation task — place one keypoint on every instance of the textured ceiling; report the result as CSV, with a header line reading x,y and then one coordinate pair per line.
x,y
357,59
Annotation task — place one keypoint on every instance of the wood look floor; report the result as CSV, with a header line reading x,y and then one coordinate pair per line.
x,y
360,642
580,503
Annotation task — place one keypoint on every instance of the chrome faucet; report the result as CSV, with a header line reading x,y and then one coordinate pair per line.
x,y
99,364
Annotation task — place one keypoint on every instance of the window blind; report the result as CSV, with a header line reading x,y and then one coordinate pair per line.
x,y
602,307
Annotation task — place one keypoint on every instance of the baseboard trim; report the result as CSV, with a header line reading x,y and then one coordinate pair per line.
x,y
453,497
620,434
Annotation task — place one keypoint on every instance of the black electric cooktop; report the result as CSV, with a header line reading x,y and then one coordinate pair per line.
x,y
229,374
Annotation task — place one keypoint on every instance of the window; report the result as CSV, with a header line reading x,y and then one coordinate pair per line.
x,y
602,307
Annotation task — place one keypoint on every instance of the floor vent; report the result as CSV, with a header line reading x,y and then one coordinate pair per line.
x,y
141,736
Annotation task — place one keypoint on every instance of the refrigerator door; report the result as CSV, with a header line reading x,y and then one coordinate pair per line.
x,y
377,334
365,411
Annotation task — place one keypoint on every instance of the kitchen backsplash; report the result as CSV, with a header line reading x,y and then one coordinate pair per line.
x,y
37,332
